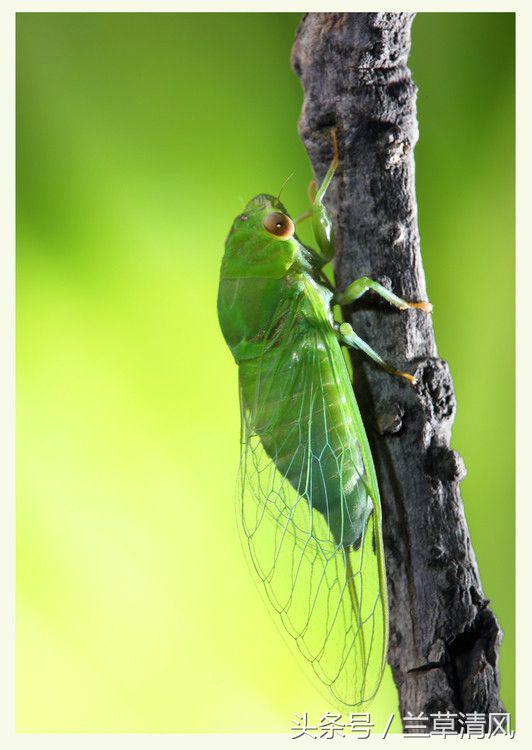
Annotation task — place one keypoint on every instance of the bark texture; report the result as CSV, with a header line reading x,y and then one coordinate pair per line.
x,y
444,638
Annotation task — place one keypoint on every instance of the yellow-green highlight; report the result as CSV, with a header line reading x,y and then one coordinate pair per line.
x,y
139,136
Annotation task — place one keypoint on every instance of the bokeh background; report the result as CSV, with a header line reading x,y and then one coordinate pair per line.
x,y
139,137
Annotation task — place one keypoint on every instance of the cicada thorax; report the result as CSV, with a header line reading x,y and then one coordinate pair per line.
x,y
297,404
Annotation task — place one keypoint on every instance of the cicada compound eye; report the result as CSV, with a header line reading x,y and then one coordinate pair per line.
x,y
280,225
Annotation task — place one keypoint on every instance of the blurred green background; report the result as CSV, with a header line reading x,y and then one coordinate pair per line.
x,y
139,136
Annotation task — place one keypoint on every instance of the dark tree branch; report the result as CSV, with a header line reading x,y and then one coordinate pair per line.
x,y
444,639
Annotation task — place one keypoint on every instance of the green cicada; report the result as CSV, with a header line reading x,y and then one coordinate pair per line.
x,y
309,510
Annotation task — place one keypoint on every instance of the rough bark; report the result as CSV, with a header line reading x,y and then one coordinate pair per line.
x,y
444,638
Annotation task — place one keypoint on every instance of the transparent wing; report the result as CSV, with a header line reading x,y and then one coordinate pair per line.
x,y
302,464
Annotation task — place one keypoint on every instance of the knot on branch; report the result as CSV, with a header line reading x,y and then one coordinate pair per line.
x,y
435,387
389,417
388,139
448,465
472,657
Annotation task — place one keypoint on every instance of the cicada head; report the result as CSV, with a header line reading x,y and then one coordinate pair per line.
x,y
261,242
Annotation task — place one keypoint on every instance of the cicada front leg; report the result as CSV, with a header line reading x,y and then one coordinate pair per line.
x,y
321,222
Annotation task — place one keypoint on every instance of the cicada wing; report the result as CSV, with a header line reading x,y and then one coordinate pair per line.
x,y
330,598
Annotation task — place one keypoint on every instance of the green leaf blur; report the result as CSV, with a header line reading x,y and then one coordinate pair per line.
x,y
139,136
